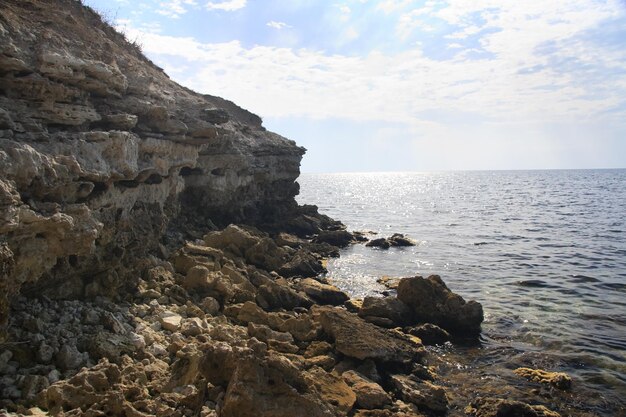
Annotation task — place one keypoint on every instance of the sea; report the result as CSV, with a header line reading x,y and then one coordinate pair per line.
x,y
543,251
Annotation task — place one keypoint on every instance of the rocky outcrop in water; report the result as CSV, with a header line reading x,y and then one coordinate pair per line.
x,y
100,152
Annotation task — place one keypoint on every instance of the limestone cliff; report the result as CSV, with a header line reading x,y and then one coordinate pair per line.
x,y
100,151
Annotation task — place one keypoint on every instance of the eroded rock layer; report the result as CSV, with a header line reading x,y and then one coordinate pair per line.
x,y
100,151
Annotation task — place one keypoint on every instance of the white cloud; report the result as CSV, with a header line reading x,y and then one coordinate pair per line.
x,y
409,87
277,25
174,8
226,5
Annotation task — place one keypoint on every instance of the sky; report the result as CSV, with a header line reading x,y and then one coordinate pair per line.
x,y
405,85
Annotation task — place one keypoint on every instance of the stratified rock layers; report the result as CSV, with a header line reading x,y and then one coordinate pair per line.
x,y
100,151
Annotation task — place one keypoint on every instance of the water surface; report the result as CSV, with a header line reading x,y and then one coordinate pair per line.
x,y
543,251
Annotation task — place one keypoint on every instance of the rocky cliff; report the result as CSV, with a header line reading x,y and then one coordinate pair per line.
x,y
100,152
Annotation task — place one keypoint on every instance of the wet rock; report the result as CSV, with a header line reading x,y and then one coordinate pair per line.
x,y
339,238
359,339
495,407
391,308
421,393
430,334
380,242
369,394
396,240
558,380
433,302
323,293
389,282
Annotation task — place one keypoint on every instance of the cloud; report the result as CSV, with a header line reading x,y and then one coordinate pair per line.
x,y
226,5
542,66
277,25
174,8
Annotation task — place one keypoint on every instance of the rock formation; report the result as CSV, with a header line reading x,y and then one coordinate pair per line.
x,y
100,151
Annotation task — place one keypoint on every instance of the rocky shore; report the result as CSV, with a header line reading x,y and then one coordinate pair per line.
x,y
236,325
154,262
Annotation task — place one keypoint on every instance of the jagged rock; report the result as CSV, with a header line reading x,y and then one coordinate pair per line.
x,y
111,346
495,407
303,264
359,339
83,390
369,394
558,380
421,393
272,296
391,308
271,387
302,328
430,334
323,293
433,302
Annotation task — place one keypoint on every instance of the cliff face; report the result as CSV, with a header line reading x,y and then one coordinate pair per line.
x,y
100,151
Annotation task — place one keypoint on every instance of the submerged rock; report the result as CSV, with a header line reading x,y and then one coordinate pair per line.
x,y
421,393
495,407
558,380
433,302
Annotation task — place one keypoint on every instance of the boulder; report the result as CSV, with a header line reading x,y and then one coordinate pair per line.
x,y
433,302
391,308
272,296
356,338
558,380
271,387
323,293
339,238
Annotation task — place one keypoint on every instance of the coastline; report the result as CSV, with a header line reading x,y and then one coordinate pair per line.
x,y
217,331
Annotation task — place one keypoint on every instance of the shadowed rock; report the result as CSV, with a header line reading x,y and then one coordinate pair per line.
x,y
433,302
